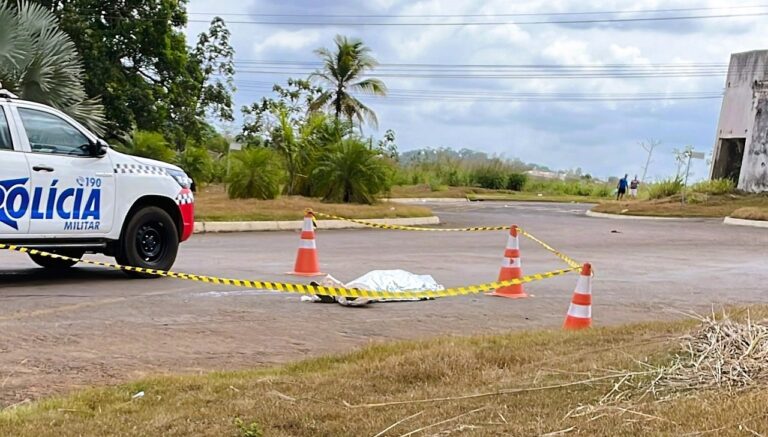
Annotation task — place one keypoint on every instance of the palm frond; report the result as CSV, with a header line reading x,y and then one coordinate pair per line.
x,y
370,86
40,63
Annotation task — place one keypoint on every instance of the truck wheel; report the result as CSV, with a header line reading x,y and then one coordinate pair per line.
x,y
150,241
57,263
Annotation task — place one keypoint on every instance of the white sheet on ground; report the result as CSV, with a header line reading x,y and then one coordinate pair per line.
x,y
395,281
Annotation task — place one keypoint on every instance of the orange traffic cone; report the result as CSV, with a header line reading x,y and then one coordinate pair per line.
x,y
307,263
580,312
511,268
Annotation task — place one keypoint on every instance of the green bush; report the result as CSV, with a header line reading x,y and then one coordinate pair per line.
x,y
665,188
601,190
516,181
150,145
219,170
255,173
490,176
198,164
714,186
350,172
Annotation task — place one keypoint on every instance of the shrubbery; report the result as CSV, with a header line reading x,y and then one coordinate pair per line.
x,y
516,181
714,186
255,173
665,188
491,176
350,172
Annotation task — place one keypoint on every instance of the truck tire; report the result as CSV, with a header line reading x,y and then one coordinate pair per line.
x,y
150,241
57,263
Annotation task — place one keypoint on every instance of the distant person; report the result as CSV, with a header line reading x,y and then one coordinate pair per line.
x,y
622,187
633,187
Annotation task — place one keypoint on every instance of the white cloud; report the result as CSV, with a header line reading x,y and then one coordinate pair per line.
x,y
287,40
601,137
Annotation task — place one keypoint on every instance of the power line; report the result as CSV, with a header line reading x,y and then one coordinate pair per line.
x,y
494,96
488,23
543,75
516,14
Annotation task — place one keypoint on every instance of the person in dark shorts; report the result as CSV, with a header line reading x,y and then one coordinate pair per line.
x,y
622,187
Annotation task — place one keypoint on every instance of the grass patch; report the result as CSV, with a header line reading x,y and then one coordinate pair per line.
x,y
212,204
527,383
751,213
699,205
475,193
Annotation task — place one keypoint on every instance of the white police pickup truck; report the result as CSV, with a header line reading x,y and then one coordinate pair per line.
x,y
63,190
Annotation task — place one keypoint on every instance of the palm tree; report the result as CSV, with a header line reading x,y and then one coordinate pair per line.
x,y
39,62
256,173
341,72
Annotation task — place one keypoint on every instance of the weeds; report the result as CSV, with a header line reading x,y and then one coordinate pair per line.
x,y
665,188
714,186
248,430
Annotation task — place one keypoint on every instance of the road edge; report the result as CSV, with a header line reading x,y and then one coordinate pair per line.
x,y
595,214
744,222
413,200
292,225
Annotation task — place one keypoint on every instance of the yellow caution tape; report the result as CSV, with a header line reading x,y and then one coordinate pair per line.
x,y
546,246
287,287
413,228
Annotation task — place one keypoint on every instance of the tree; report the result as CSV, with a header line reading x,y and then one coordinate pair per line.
x,y
387,145
39,62
209,88
648,146
136,57
342,71
293,99
150,145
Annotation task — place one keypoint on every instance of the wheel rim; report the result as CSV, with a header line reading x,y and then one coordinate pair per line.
x,y
150,242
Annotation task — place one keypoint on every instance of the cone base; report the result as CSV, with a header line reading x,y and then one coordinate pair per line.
x,y
511,292
575,323
508,296
305,274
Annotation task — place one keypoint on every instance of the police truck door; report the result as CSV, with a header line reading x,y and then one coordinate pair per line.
x,y
73,192
14,182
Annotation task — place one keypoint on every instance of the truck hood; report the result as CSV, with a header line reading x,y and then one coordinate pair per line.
x,y
122,158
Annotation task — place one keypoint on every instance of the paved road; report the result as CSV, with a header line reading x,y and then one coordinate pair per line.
x,y
91,325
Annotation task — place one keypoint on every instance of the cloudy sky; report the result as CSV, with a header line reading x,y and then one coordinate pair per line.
x,y
535,118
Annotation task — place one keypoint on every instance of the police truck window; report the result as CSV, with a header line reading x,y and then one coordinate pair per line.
x,y
5,133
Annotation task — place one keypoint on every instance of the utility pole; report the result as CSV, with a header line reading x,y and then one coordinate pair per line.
x,y
648,146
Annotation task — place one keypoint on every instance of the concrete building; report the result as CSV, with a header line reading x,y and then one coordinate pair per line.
x,y
741,144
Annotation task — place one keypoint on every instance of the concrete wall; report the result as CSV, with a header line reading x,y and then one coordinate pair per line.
x,y
736,112
754,167
740,115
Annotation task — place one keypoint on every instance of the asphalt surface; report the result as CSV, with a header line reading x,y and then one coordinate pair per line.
x,y
91,325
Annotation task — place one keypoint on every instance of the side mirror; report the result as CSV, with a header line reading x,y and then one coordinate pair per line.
x,y
98,148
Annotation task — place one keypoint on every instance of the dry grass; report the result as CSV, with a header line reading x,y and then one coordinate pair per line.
x,y
474,193
530,383
212,204
700,206
751,213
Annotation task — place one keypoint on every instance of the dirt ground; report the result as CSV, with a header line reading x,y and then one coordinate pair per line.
x,y
91,326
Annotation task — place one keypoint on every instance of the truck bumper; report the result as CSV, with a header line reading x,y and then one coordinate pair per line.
x,y
186,201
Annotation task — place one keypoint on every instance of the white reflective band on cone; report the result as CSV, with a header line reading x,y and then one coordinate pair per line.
x,y
308,244
511,262
307,225
513,243
581,311
583,286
